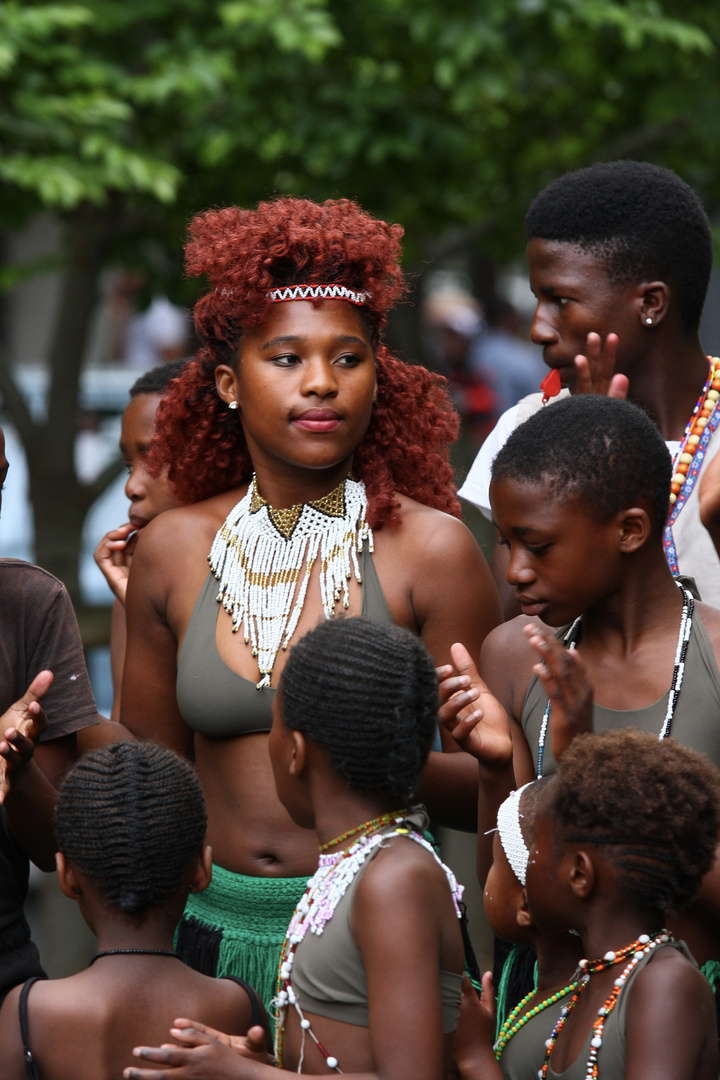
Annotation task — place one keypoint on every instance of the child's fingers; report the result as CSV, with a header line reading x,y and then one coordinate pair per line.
x,y
256,1040
196,1035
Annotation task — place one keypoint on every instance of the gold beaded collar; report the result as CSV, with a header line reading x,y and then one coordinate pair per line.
x,y
332,505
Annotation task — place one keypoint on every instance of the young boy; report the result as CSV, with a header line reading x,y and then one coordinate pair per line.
x,y
583,526
619,256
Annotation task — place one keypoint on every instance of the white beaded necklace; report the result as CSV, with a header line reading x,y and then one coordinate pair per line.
x,y
570,639
258,555
317,906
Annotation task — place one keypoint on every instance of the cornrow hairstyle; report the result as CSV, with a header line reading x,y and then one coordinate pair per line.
x,y
156,380
132,817
245,254
604,452
641,221
651,806
367,693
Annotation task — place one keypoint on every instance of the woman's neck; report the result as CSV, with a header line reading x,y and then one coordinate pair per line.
x,y
283,487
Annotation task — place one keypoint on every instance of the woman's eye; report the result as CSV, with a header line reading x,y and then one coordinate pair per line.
x,y
349,360
541,549
286,360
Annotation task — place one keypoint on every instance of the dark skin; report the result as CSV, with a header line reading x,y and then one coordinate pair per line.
x,y
301,358
149,496
596,334
563,563
403,951
84,1027
670,1027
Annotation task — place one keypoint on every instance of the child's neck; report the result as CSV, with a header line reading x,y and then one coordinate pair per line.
x,y
614,926
558,956
116,931
342,810
646,603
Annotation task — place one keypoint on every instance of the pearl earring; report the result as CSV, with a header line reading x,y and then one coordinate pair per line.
x,y
232,404
649,321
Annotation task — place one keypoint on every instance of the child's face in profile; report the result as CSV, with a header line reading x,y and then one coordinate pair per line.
x,y
562,559
503,896
148,495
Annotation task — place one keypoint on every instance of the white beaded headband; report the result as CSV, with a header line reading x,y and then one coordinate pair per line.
x,y
511,837
318,292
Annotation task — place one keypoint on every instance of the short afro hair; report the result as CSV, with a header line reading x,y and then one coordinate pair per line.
x,y
642,221
367,694
652,806
132,817
157,380
604,452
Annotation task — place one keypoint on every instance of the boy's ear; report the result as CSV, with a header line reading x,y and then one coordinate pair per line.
x,y
298,753
67,877
202,872
523,916
582,877
635,528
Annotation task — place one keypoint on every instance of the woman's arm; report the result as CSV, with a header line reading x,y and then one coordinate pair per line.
x,y
149,704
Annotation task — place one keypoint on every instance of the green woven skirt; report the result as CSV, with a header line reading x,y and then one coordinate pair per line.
x,y
237,926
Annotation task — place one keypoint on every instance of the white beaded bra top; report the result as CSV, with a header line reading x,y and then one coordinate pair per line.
x,y
258,556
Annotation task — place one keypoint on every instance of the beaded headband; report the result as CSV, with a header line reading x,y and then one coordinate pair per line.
x,y
511,837
318,292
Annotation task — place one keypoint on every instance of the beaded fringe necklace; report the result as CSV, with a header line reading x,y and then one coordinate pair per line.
x,y
316,908
571,639
637,950
258,555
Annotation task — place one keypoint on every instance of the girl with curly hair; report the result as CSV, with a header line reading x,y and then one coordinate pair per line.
x,y
317,467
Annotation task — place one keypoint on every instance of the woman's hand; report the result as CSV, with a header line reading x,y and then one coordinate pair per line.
x,y
482,729
253,1045
473,1053
22,725
114,555
595,370
562,674
200,1057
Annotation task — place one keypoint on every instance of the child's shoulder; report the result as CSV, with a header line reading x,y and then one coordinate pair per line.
x,y
402,871
668,983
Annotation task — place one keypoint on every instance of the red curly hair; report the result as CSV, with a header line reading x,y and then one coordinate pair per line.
x,y
245,253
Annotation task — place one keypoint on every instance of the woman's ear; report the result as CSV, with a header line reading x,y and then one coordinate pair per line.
x,y
298,753
226,384
67,877
203,871
523,916
582,876
635,528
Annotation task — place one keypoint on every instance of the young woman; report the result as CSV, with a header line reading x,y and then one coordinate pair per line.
x,y
317,463
371,967
149,496
130,827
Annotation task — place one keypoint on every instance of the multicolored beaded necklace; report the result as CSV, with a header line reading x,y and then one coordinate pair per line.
x,y
570,640
315,909
367,826
637,950
688,462
512,1024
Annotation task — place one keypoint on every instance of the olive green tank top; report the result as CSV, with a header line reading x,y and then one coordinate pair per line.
x,y
214,700
328,973
696,720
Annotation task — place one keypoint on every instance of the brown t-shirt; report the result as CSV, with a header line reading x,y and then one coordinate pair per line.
x,y
38,630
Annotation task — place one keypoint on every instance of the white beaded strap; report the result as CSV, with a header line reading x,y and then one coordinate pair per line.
x,y
318,292
510,833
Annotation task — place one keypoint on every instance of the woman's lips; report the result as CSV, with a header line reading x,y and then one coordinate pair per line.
x,y
137,521
319,420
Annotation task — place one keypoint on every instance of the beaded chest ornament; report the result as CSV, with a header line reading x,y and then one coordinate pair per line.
x,y
315,910
637,950
258,556
687,464
571,638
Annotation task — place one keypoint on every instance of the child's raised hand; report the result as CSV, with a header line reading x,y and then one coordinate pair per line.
x,y
595,371
562,674
475,1033
474,718
253,1045
21,727
114,555
201,1057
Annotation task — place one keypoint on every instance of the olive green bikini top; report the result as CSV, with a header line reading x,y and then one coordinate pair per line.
x,y
213,699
